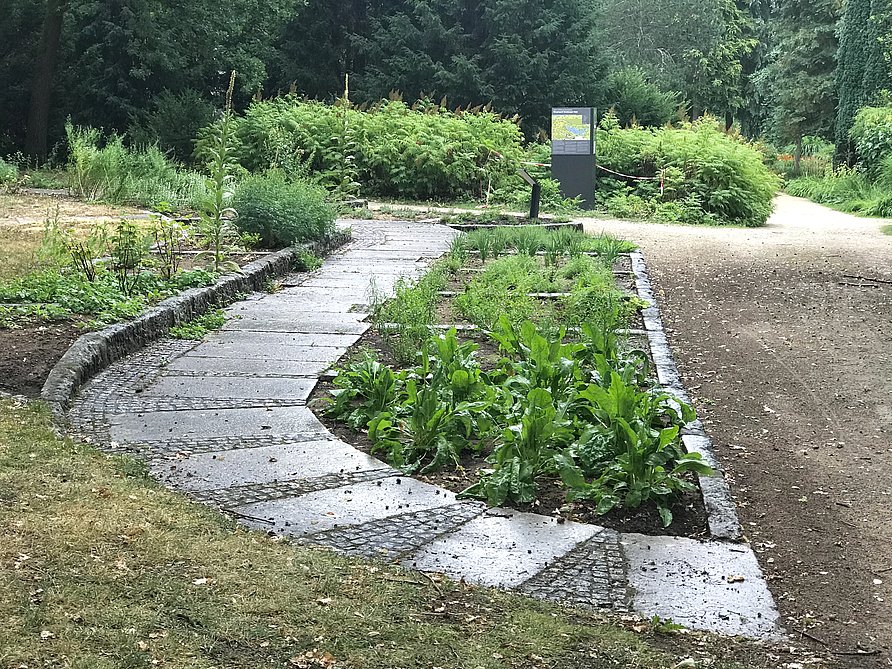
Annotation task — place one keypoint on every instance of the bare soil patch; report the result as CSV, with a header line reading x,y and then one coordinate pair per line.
x,y
27,354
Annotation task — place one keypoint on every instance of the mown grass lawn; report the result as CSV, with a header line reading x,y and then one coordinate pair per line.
x,y
101,568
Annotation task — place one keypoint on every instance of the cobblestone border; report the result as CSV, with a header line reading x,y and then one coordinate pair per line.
x,y
721,510
95,351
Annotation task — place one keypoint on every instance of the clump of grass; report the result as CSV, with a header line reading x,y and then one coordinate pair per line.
x,y
199,327
100,567
886,229
404,321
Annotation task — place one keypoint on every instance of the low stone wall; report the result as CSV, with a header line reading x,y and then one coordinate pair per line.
x,y
95,351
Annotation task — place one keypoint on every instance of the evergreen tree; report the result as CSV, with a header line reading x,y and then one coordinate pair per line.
x,y
20,32
692,46
524,56
800,79
863,69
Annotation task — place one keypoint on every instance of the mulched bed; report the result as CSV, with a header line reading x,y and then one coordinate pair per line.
x,y
29,353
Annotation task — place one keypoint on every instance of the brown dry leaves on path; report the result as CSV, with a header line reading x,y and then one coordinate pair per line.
x,y
788,357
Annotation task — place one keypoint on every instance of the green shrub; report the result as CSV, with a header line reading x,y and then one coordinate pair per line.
x,y
633,98
9,175
700,166
872,134
173,122
418,152
106,170
282,212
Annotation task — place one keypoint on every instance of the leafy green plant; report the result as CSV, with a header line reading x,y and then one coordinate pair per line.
x,y
127,247
536,361
426,434
306,261
527,450
199,327
170,241
281,212
365,390
218,146
633,448
9,176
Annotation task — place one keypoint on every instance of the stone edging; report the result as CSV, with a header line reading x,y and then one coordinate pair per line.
x,y
720,506
470,227
93,352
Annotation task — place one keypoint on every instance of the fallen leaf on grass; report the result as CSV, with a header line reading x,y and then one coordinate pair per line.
x,y
313,658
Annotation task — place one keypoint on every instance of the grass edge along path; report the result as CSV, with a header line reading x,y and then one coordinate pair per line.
x,y
100,567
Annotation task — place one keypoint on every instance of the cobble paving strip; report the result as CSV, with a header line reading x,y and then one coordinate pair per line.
x,y
396,537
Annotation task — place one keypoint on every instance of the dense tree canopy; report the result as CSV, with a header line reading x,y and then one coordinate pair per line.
x,y
799,77
779,68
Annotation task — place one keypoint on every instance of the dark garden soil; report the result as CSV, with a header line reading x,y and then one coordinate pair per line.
x,y
789,362
27,354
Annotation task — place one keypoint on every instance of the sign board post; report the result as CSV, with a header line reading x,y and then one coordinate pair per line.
x,y
573,152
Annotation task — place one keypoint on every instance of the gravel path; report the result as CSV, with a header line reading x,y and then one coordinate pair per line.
x,y
789,361
225,421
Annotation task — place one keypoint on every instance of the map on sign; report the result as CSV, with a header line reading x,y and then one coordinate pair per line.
x,y
571,131
570,128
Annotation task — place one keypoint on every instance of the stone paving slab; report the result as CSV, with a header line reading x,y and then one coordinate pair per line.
x,y
502,551
230,367
259,351
314,324
283,310
285,462
275,339
703,585
260,389
351,505
165,425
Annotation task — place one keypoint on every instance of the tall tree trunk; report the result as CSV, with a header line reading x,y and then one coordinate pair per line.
x,y
729,121
42,86
797,156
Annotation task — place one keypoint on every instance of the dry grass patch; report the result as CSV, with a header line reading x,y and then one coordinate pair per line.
x,y
23,220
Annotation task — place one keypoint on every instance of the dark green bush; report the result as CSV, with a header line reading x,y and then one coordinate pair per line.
x,y
702,169
392,149
872,134
282,212
173,122
633,98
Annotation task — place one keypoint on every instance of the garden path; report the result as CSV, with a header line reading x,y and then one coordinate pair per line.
x,y
789,363
226,422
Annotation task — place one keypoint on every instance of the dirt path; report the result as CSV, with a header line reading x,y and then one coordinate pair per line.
x,y
792,373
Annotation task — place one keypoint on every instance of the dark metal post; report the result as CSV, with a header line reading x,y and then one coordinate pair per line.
x,y
534,201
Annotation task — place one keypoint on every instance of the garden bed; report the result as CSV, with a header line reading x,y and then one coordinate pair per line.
x,y
27,354
490,295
